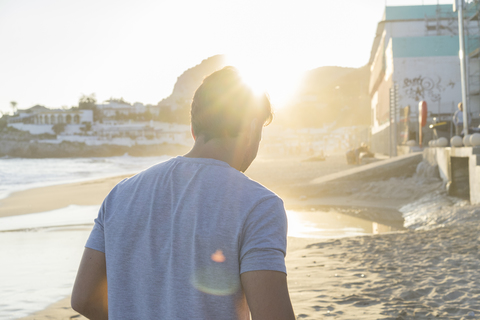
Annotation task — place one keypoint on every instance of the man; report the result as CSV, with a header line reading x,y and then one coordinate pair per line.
x,y
193,237
458,120
355,156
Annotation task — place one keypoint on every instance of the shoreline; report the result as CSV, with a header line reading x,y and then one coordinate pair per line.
x,y
92,192
48,198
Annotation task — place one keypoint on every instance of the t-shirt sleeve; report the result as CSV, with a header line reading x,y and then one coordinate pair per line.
x,y
96,240
264,242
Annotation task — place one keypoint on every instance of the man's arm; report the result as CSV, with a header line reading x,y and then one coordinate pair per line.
x,y
457,118
267,295
89,295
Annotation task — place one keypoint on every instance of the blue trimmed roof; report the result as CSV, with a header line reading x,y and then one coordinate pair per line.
x,y
417,12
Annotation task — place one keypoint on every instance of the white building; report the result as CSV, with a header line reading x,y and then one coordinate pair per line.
x,y
38,119
41,115
133,133
416,49
139,107
112,108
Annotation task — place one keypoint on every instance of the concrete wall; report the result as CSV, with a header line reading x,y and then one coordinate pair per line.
x,y
380,141
433,79
33,128
380,106
404,166
442,158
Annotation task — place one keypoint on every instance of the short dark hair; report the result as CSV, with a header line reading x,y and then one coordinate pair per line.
x,y
224,103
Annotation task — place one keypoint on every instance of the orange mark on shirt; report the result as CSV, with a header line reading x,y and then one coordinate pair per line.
x,y
218,256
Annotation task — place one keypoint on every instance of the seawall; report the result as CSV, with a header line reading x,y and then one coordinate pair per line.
x,y
365,185
459,168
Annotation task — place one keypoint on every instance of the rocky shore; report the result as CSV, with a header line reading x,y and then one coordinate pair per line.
x,y
65,149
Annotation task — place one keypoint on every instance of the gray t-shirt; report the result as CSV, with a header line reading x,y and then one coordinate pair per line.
x,y
177,236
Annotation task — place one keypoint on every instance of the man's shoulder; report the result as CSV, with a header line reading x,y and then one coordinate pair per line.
x,y
210,173
260,189
146,173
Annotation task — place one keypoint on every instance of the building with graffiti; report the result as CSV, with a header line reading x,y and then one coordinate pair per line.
x,y
415,52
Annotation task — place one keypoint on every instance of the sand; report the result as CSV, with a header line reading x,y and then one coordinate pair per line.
x,y
410,275
58,196
426,274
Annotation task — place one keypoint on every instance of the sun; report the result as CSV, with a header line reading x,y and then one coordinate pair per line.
x,y
264,75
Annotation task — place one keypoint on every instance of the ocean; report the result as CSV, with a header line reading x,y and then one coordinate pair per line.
x,y
20,174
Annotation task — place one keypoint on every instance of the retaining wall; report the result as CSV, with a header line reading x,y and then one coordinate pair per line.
x,y
459,168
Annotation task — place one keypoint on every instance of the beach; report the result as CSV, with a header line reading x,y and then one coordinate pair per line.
x,y
429,271
49,198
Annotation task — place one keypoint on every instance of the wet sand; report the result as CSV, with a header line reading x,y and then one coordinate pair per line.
x,y
58,196
430,274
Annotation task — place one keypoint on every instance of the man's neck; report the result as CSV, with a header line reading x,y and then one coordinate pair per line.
x,y
226,149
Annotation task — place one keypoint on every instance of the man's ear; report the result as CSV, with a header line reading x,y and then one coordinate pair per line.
x,y
193,134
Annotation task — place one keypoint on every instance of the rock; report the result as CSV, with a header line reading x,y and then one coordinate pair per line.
x,y
456,141
190,80
475,139
442,142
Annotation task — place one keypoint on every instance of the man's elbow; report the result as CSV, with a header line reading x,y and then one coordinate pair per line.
x,y
77,303
92,309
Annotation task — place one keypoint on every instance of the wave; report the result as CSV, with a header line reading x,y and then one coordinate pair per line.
x,y
18,174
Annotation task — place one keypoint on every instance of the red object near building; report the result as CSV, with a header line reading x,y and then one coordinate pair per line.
x,y
422,119
422,113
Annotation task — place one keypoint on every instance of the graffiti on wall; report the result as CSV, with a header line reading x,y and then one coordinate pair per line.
x,y
425,88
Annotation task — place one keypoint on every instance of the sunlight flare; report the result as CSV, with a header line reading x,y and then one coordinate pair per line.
x,y
264,74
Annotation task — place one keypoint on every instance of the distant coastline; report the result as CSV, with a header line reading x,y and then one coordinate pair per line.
x,y
67,149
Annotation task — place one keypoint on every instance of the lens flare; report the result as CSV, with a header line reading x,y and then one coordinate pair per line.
x,y
266,74
218,256
216,277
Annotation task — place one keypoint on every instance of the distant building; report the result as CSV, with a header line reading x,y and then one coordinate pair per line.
x,y
38,119
416,48
159,132
40,115
112,108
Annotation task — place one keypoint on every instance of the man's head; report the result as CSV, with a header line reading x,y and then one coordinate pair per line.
x,y
460,106
227,119
224,105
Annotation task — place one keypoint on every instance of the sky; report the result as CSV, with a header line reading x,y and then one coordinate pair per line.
x,y
53,51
